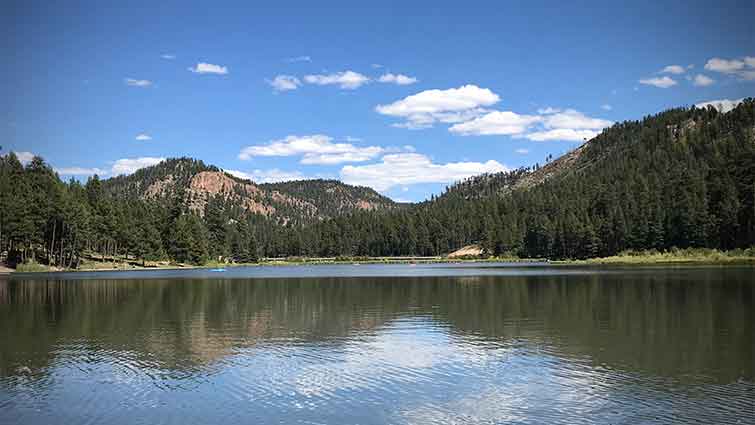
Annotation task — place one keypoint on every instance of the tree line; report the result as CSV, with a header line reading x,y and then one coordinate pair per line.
x,y
681,178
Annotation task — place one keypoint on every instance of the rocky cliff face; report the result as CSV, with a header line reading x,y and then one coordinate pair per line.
x,y
286,201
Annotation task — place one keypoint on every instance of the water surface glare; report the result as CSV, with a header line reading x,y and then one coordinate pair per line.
x,y
398,344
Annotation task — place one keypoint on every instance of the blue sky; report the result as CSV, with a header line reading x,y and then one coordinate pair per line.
x,y
402,97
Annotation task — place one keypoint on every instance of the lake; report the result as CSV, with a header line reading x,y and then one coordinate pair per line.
x,y
376,344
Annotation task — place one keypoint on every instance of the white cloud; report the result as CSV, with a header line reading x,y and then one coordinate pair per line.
x,y
363,154
568,134
573,119
551,124
522,151
496,123
673,69
606,107
742,68
299,59
79,171
209,68
346,80
452,105
702,80
24,157
143,137
400,79
129,165
725,66
403,169
376,65
268,176
426,121
137,83
723,105
314,149
660,82
285,83
168,56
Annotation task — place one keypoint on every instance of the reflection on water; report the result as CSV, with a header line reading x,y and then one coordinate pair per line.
x,y
396,346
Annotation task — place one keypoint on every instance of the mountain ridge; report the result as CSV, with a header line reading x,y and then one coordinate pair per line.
x,y
196,182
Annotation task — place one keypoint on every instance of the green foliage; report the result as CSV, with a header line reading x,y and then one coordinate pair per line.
x,y
31,266
188,240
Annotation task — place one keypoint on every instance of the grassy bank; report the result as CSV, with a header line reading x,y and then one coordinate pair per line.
x,y
34,267
673,256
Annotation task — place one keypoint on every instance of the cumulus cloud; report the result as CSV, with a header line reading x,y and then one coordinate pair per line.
x,y
79,171
168,56
522,151
143,137
722,105
361,155
24,157
496,123
451,105
725,66
273,175
403,169
673,69
137,83
660,82
284,83
129,165
465,108
348,80
299,59
314,149
400,79
208,68
567,134
567,125
606,107
743,68
573,119
701,80
549,124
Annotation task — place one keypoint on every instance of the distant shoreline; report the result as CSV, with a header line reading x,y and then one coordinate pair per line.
x,y
681,257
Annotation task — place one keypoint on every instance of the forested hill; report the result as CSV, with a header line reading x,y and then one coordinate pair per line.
x,y
681,178
196,184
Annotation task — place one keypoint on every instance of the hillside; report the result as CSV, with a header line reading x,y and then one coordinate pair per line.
x,y
681,178
680,125
197,183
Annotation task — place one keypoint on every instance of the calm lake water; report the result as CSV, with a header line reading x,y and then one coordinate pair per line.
x,y
398,344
